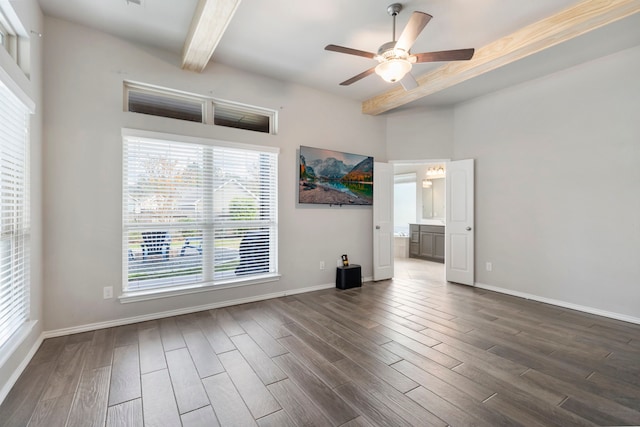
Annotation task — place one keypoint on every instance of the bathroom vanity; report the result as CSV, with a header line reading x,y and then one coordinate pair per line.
x,y
426,242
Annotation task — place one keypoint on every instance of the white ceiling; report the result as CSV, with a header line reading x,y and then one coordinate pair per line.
x,y
285,39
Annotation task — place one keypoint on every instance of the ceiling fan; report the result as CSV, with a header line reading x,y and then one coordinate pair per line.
x,y
395,58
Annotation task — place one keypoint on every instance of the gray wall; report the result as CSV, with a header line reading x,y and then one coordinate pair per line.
x,y
557,181
420,134
83,183
558,184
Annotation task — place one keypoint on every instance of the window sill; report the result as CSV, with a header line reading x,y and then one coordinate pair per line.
x,y
146,295
16,340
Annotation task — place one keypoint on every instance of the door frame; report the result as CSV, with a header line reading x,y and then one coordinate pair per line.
x,y
423,163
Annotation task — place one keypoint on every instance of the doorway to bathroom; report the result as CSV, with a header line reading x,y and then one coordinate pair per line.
x,y
419,220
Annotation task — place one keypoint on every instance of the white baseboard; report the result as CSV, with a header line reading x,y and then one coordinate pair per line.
x,y
309,289
170,313
559,303
136,319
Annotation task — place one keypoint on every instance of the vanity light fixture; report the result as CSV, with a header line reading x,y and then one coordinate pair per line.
x,y
426,183
436,172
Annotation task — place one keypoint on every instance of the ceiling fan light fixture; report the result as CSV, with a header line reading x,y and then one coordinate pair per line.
x,y
393,70
395,57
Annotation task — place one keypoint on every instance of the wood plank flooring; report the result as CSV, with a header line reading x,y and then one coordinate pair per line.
x,y
414,351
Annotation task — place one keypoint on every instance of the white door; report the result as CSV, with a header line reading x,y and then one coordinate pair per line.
x,y
382,221
459,230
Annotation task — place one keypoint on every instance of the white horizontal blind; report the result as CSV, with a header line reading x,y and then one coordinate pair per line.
x,y
14,214
196,213
244,206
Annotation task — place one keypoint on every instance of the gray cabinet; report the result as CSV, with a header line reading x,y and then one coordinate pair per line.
x,y
414,240
426,241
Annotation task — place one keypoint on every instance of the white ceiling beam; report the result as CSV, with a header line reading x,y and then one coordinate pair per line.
x,y
207,27
585,16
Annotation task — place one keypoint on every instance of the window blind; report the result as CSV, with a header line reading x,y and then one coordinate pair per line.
x,y
14,214
164,105
164,102
197,213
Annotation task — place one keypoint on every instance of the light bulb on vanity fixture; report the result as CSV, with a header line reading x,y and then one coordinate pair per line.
x,y
426,183
436,172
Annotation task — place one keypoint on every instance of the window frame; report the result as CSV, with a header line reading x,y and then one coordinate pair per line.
x,y
209,105
168,95
209,224
8,36
272,115
3,35
18,232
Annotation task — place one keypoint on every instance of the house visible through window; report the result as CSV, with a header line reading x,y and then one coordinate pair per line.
x,y
197,212
14,214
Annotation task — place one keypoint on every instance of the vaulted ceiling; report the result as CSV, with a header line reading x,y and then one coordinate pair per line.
x,y
285,39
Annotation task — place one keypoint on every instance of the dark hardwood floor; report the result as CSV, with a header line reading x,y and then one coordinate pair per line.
x,y
414,351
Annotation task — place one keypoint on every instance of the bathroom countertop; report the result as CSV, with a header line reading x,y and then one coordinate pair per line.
x,y
431,222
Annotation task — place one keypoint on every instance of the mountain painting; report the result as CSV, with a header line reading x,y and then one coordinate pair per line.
x,y
335,178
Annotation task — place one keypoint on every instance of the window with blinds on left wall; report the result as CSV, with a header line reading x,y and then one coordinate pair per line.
x,y
14,214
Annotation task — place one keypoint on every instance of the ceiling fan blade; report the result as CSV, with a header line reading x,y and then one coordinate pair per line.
x,y
414,27
445,55
349,51
409,82
360,76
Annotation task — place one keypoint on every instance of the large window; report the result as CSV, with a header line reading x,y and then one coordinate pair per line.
x,y
404,202
14,214
197,212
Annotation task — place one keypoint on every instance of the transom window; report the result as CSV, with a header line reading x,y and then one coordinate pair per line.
x,y
8,37
197,212
4,33
163,102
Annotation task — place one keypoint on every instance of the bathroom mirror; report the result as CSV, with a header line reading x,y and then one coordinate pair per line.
x,y
433,199
427,202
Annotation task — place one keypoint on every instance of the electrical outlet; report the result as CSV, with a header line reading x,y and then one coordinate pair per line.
x,y
321,265
107,292
489,266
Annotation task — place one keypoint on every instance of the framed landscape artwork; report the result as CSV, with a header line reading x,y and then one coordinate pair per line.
x,y
334,178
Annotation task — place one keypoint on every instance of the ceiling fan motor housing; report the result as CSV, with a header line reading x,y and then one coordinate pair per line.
x,y
388,51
